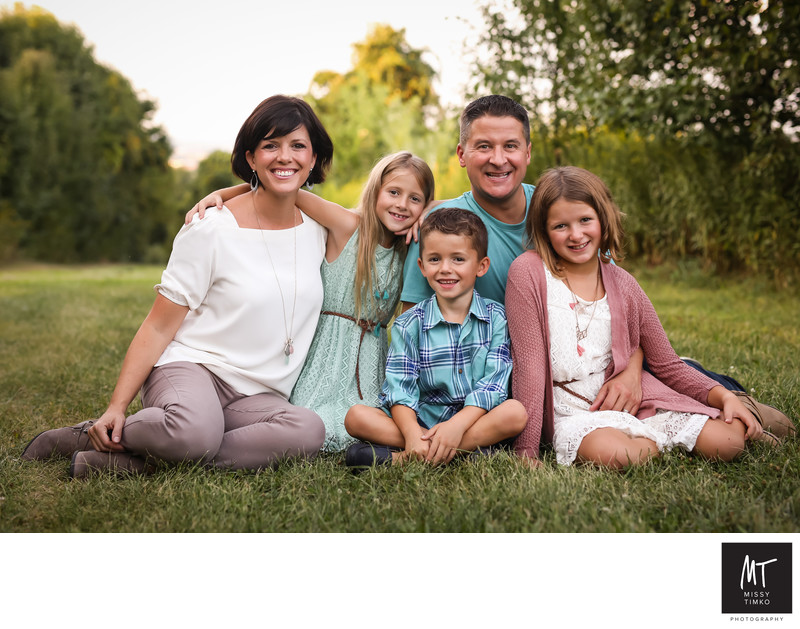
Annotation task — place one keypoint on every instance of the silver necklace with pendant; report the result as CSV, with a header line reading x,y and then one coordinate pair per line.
x,y
581,334
288,346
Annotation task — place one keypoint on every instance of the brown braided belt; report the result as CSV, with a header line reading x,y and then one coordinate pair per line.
x,y
366,326
563,386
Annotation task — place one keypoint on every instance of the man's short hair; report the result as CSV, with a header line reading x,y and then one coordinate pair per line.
x,y
458,221
493,105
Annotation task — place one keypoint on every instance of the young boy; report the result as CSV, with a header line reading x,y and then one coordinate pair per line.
x,y
449,363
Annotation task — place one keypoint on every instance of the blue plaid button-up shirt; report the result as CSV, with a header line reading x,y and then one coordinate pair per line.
x,y
436,367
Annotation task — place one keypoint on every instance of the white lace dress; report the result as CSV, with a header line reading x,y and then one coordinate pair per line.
x,y
583,375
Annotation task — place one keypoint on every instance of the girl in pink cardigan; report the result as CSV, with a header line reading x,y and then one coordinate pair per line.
x,y
575,319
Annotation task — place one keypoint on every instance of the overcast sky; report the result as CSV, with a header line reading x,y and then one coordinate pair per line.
x,y
208,64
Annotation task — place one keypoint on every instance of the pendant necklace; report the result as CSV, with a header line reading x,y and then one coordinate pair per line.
x,y
581,334
288,346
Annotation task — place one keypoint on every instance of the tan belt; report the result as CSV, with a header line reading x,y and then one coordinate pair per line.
x,y
563,387
366,326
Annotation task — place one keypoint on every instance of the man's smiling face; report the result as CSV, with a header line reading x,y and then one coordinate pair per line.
x,y
496,156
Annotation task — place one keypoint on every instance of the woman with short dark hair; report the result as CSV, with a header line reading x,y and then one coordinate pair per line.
x,y
236,310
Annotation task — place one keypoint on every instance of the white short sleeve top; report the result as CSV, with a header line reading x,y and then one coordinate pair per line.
x,y
237,322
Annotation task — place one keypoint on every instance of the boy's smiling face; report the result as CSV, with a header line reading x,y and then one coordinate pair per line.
x,y
451,265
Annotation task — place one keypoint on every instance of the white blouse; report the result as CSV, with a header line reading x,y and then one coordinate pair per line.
x,y
586,368
236,325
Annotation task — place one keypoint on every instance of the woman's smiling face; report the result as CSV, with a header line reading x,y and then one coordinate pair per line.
x,y
283,163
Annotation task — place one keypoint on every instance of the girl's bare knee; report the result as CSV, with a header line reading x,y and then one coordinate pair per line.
x,y
608,460
618,455
353,420
602,455
637,452
725,443
517,417
725,451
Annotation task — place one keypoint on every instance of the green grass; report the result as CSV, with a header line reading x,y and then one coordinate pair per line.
x,y
64,332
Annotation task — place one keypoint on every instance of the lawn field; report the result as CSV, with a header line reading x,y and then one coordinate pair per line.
x,y
65,330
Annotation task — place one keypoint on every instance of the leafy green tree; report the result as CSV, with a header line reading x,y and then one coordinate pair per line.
x,y
387,59
212,173
385,103
83,170
722,70
384,58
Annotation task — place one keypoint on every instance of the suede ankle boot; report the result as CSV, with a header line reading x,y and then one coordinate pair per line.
x,y
771,418
58,442
86,462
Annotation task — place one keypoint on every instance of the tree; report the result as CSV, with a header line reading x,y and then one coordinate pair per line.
x,y
212,173
384,58
387,59
82,168
723,70
380,106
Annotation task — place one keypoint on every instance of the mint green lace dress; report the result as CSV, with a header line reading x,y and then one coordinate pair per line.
x,y
328,383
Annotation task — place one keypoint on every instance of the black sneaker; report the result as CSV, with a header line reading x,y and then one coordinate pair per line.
x,y
368,454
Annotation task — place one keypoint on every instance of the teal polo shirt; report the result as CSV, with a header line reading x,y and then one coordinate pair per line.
x,y
506,243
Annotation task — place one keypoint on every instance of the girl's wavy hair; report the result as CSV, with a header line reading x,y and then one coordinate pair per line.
x,y
370,229
581,186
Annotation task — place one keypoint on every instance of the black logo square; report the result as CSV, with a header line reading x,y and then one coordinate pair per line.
x,y
757,578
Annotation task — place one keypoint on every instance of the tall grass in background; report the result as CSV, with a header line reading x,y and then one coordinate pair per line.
x,y
728,213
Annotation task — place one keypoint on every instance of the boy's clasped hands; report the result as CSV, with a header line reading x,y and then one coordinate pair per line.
x,y
437,445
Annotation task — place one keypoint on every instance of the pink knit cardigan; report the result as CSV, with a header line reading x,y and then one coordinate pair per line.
x,y
634,323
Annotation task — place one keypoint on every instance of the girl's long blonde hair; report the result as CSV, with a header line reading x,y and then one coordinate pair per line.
x,y
370,229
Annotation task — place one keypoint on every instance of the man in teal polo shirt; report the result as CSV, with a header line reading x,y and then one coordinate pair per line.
x,y
495,148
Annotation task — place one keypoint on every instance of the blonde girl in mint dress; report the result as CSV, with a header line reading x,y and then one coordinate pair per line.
x,y
361,277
